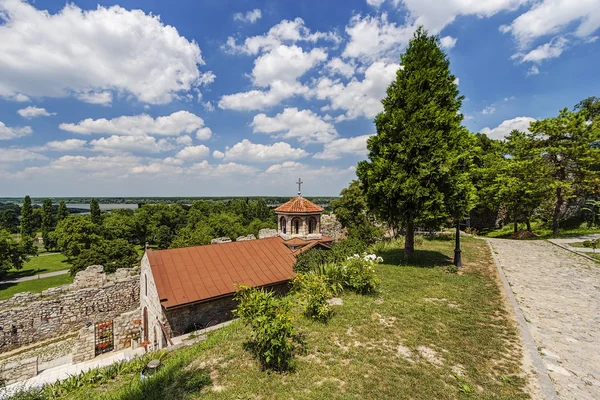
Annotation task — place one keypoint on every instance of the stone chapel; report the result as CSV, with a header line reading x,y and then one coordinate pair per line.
x,y
191,288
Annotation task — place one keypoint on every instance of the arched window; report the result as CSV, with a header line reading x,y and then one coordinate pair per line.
x,y
282,225
312,226
296,223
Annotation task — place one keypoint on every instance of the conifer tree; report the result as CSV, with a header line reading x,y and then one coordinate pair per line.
x,y
27,218
62,211
95,212
417,172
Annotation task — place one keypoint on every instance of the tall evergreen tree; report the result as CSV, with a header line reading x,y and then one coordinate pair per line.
x,y
417,170
48,224
27,224
95,211
62,211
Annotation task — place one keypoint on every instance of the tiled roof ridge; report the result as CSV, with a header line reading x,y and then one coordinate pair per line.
x,y
299,204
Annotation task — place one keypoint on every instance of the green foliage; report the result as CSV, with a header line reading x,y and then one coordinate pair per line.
x,y
314,290
9,217
452,269
162,237
12,253
75,234
419,160
589,107
360,274
565,143
112,254
592,209
340,251
273,338
189,236
95,213
48,225
120,224
351,211
27,222
62,213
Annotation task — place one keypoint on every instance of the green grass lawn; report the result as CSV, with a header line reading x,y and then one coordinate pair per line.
x,y
541,231
427,334
40,265
7,290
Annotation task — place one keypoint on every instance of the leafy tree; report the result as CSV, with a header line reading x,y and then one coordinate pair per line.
x,y
590,108
226,224
62,213
521,180
14,254
95,213
27,223
120,224
351,211
419,159
187,236
9,220
75,234
48,224
565,143
162,237
112,254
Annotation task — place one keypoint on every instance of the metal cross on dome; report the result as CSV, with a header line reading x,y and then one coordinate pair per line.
x,y
299,186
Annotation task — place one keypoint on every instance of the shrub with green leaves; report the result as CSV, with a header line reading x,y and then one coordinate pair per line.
x,y
273,338
313,258
314,290
360,274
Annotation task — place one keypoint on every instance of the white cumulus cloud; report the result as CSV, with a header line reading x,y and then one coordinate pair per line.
x,y
65,145
191,153
250,16
7,133
141,144
502,130
254,152
32,112
356,146
139,125
90,52
302,125
448,42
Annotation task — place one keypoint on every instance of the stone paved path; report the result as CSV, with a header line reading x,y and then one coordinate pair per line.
x,y
559,295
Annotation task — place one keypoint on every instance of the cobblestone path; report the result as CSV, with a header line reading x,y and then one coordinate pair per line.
x,y
559,295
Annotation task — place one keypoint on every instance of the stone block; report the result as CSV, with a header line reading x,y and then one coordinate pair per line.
x,y
267,233
244,238
220,240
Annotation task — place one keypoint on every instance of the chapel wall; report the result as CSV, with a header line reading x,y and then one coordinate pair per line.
x,y
27,318
150,301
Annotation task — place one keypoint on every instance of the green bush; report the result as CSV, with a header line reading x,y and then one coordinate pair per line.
x,y
587,243
273,338
360,273
419,240
315,291
340,251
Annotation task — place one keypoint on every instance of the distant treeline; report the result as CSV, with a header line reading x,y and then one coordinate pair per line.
x,y
270,200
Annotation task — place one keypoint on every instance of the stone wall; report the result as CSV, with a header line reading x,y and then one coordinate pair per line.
x,y
19,370
27,318
126,331
151,307
331,227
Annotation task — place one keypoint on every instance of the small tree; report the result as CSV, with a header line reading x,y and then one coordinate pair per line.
x,y
418,167
14,254
95,212
27,223
63,212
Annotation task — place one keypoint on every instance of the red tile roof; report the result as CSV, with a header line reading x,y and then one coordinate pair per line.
x,y
299,205
199,273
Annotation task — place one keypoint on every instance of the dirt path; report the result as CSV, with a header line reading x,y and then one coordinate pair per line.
x,y
559,295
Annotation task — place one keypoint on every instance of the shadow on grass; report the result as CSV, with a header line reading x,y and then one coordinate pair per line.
x,y
6,285
421,258
171,383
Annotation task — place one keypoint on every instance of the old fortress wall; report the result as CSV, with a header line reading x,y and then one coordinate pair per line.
x,y
93,296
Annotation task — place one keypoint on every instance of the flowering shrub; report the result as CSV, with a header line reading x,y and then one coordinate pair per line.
x,y
359,273
315,291
274,340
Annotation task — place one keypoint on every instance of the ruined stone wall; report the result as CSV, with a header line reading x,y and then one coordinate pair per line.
x,y
28,318
19,370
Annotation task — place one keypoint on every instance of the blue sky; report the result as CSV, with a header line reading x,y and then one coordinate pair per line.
x,y
200,98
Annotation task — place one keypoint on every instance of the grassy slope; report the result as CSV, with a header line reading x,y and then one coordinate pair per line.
x,y
7,290
40,265
460,317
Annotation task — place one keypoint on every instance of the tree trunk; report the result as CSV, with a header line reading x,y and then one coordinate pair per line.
x,y
515,224
528,224
409,241
556,216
